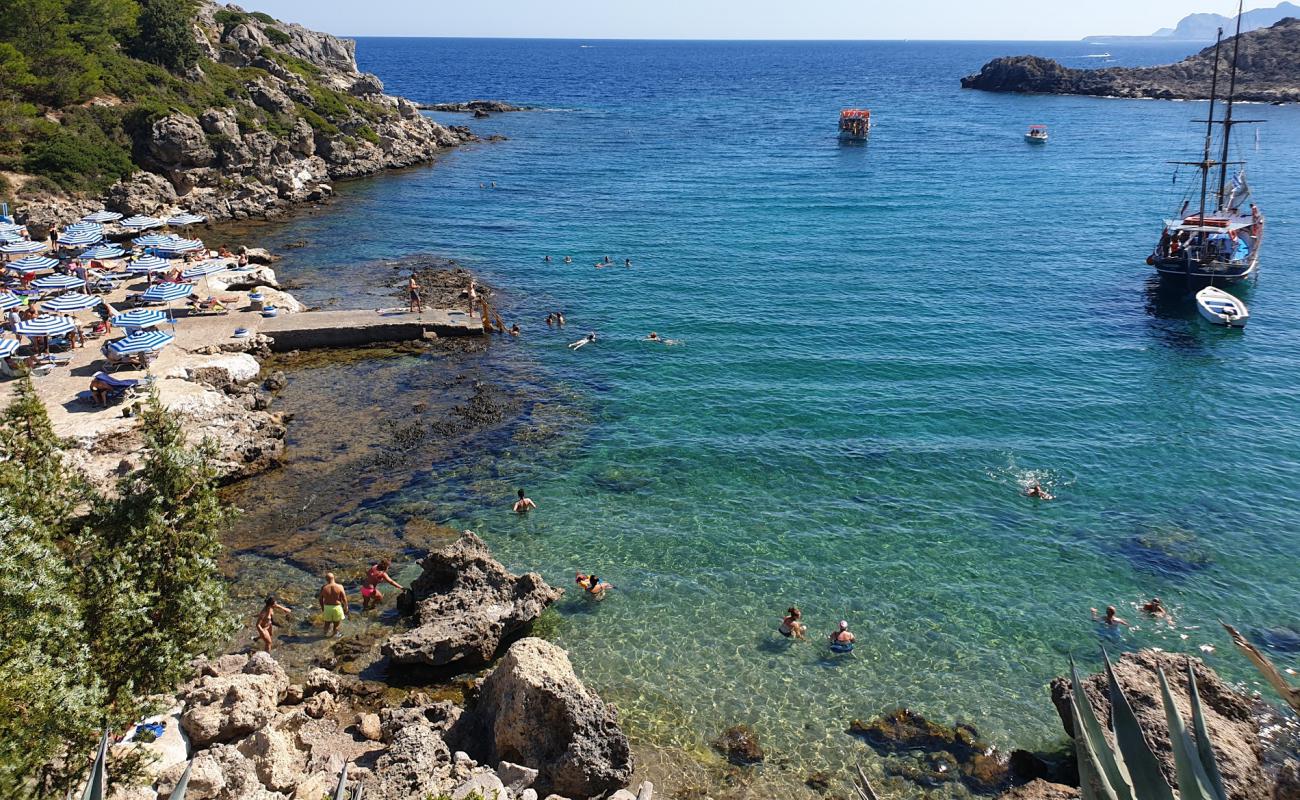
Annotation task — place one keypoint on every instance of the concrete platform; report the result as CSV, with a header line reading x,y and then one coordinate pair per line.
x,y
311,329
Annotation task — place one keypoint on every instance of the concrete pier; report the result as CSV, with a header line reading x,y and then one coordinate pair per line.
x,y
311,329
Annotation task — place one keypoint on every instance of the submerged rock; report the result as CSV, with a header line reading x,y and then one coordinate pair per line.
x,y
740,745
466,605
946,753
533,710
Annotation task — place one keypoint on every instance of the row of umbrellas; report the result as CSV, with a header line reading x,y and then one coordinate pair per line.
x,y
89,231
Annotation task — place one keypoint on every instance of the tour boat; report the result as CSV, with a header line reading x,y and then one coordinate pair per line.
x,y
1219,241
1037,134
855,124
1221,308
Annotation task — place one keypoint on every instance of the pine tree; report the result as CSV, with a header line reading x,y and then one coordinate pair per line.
x,y
33,474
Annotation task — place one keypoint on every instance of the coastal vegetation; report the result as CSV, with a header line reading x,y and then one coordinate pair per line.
x,y
104,600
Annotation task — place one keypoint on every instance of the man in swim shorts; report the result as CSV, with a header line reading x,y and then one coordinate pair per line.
x,y
333,599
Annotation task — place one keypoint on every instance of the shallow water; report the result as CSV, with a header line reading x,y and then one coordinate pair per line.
x,y
882,345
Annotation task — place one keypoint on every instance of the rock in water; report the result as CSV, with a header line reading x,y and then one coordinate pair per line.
x,y
466,606
740,745
949,753
1233,733
533,710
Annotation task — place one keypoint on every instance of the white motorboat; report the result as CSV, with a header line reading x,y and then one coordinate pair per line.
x,y
1221,308
1037,134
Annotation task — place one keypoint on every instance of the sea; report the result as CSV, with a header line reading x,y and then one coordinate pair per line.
x,y
878,348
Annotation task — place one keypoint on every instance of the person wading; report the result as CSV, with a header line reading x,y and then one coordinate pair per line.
x,y
333,600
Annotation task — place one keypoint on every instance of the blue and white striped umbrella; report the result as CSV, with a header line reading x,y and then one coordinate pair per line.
x,y
50,282
32,263
10,301
103,251
79,238
138,318
102,216
141,222
10,227
154,239
141,342
180,246
84,226
44,325
8,347
147,264
9,237
166,292
185,218
203,268
72,301
24,246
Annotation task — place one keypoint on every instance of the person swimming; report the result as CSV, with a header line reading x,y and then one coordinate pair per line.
x,y
791,627
588,339
1154,607
1110,620
1037,492
593,585
568,259
524,504
842,638
653,337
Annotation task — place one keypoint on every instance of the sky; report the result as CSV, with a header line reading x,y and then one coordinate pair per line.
x,y
742,19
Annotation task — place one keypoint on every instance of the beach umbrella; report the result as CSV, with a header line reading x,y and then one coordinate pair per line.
x,y
154,239
9,237
72,301
180,245
141,222
185,218
141,342
203,268
138,318
8,347
84,226
102,216
147,264
50,282
9,301
32,263
10,227
44,325
103,251
166,292
79,238
23,246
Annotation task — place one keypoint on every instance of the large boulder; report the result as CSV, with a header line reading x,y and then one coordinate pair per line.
x,y
225,708
178,140
219,773
1234,735
142,193
417,763
533,710
465,605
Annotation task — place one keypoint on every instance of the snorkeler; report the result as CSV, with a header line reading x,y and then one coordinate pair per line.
x,y
791,627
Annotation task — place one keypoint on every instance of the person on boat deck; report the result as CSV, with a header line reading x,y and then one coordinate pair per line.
x,y
1110,620
842,636
791,627
377,574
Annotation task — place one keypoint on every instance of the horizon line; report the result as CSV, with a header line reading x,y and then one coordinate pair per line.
x,y
714,39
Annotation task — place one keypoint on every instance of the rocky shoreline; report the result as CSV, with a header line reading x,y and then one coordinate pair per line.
x,y
1269,72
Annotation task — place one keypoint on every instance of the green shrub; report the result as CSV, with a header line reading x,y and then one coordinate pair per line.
x,y
166,35
277,36
368,133
229,18
79,161
262,16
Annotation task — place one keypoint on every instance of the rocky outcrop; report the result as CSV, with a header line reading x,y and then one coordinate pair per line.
x,y
533,710
740,745
475,106
1234,734
1268,71
1041,790
930,754
465,606
223,708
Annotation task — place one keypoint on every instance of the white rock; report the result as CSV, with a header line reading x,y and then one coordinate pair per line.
x,y
486,784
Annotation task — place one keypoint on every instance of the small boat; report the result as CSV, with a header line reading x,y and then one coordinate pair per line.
x,y
855,124
1037,134
1221,308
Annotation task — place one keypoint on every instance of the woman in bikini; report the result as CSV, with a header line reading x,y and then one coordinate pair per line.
x,y
377,574
791,627
266,620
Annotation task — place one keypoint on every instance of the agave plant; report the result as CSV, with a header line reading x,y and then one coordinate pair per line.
x,y
1266,668
1130,771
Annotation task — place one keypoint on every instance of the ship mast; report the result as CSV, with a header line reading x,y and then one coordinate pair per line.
x,y
1227,115
1209,127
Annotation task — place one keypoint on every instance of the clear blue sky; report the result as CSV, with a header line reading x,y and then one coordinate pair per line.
x,y
741,19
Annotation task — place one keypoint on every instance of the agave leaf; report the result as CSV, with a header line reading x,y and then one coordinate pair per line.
x,y
1116,776
341,792
861,785
1208,762
183,784
1143,767
1280,685
1192,781
356,793
98,780
1092,781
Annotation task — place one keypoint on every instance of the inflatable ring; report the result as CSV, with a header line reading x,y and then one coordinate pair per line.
x,y
842,648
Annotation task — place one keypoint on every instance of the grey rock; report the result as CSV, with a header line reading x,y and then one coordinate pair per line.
x,y
482,784
179,141
366,84
320,680
516,777
142,193
228,707
270,98
415,764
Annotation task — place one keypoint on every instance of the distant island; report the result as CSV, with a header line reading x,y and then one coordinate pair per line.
x,y
1203,27
1268,72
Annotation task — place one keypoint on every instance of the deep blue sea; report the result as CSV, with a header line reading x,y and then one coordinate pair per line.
x,y
881,345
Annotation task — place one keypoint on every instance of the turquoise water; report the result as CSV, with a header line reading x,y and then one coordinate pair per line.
x,y
881,345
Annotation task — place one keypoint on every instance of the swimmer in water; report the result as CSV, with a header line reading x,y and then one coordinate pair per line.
x,y
1110,620
1154,607
653,337
547,259
568,259
514,329
791,627
523,505
594,586
1037,492
627,262
842,636
550,320
588,339
559,318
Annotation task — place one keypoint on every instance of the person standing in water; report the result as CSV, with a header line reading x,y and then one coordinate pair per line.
x,y
266,621
842,637
791,627
377,574
333,599
523,505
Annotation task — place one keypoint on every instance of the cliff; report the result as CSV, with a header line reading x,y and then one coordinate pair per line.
x,y
1202,27
1268,71
242,116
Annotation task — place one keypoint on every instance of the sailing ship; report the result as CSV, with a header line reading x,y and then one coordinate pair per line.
x,y
1220,241
855,124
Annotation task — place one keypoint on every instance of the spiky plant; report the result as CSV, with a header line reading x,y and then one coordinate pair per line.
x,y
1266,668
1129,770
